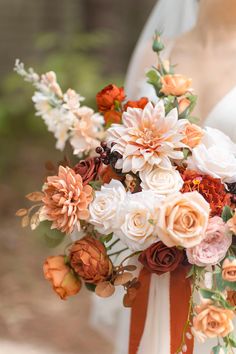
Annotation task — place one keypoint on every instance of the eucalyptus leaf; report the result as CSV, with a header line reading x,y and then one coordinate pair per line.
x,y
90,287
206,293
52,237
218,349
227,213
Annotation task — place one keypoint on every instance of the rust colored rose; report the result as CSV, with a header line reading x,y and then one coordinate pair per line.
x,y
231,297
112,117
108,174
59,274
88,258
159,259
213,321
108,96
88,169
229,269
183,104
192,135
175,85
210,188
141,103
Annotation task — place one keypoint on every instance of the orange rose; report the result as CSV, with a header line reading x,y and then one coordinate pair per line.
x,y
59,274
108,173
112,117
229,269
232,224
193,135
141,103
90,261
213,321
176,85
183,104
108,96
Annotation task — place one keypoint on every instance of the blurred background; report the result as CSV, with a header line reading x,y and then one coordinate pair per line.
x,y
88,44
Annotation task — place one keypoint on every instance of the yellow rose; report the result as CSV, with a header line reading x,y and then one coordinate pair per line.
x,y
183,219
176,85
213,321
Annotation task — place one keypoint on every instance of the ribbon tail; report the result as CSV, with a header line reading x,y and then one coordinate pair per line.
x,y
180,292
139,311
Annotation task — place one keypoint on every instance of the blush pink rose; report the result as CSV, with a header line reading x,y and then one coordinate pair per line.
x,y
214,246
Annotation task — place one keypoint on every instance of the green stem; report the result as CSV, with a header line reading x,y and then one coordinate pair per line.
x,y
113,243
131,255
118,252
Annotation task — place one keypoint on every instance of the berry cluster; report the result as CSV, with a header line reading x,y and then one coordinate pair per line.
x,y
107,156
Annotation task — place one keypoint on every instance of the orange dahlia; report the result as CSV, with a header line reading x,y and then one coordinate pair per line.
x,y
66,200
210,188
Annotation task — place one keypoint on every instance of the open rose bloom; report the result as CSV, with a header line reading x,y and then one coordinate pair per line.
x,y
146,183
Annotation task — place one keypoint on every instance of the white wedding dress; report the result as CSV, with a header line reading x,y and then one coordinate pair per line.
x,y
156,335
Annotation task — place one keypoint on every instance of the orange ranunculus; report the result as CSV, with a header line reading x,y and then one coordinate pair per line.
x,y
108,96
141,103
59,274
229,269
89,259
112,117
175,85
192,135
213,321
183,104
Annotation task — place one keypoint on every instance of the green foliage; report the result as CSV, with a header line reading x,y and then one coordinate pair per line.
x,y
90,287
154,80
227,213
52,237
218,349
223,284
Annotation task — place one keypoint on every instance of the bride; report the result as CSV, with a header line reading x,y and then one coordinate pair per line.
x,y
201,38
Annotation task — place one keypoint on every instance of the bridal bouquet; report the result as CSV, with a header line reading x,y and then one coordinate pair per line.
x,y
148,182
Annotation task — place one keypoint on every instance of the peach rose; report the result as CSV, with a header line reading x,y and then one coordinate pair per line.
x,y
183,219
213,321
183,104
59,274
175,85
229,269
193,135
232,224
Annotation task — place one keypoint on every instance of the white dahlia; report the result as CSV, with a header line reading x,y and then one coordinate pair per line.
x,y
147,138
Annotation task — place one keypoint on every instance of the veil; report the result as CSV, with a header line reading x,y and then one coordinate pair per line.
x,y
169,17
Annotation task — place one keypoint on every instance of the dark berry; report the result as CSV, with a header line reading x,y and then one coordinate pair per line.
x,y
103,144
98,150
107,149
97,160
106,161
104,155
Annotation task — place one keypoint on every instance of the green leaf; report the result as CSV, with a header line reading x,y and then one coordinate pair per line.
x,y
218,349
227,213
52,237
96,185
186,153
154,80
90,287
223,284
206,293
106,238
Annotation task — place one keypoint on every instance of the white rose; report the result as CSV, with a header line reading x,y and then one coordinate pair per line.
x,y
215,156
161,181
137,220
105,207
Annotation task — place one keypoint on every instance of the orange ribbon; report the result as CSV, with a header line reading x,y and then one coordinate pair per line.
x,y
180,292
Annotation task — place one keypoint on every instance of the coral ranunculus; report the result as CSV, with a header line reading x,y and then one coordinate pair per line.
x,y
108,96
89,259
229,269
59,274
213,321
141,103
66,200
193,135
88,169
210,188
159,259
176,85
